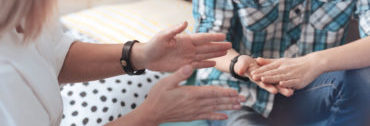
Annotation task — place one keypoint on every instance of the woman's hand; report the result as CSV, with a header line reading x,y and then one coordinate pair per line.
x,y
294,73
169,102
246,64
169,50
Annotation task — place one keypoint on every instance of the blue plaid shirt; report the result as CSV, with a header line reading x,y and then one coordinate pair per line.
x,y
274,29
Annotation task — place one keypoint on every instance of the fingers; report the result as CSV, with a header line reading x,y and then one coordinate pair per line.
x,y
263,61
200,57
235,100
219,104
274,78
263,69
213,47
253,66
243,64
211,116
203,38
203,64
269,87
289,83
285,91
173,31
216,92
215,108
180,75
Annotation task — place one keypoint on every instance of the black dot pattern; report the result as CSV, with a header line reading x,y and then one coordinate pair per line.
x,y
85,121
84,104
93,109
98,120
75,113
96,103
105,109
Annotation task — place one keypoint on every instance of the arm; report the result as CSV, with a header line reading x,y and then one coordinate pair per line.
x,y
204,13
169,102
299,72
86,61
167,51
223,63
350,56
353,55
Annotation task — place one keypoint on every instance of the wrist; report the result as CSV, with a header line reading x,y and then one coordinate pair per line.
x,y
138,57
319,62
233,70
151,119
140,116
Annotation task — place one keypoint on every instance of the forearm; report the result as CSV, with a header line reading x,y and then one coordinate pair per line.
x,y
138,117
223,63
86,61
350,56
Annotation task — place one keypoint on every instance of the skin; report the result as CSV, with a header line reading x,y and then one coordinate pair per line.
x,y
167,51
169,102
243,67
298,72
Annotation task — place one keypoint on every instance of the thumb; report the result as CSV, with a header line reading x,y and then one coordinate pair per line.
x,y
263,61
173,31
181,74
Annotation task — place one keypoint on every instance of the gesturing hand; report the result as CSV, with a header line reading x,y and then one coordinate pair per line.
x,y
294,73
168,50
246,64
168,102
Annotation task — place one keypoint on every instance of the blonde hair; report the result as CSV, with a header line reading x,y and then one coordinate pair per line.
x,y
30,14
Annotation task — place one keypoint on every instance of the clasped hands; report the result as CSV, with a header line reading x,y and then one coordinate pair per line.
x,y
282,75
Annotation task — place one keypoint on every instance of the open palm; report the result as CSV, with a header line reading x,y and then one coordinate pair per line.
x,y
169,50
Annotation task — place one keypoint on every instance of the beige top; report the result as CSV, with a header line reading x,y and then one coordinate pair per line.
x,y
29,89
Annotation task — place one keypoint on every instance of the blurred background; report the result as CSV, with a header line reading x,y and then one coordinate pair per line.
x,y
165,11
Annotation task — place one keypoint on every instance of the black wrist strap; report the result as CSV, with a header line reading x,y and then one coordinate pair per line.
x,y
125,60
232,72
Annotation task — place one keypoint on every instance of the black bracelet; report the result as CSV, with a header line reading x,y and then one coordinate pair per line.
x,y
232,72
125,59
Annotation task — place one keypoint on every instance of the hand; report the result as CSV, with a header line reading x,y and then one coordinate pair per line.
x,y
294,73
168,50
246,64
169,102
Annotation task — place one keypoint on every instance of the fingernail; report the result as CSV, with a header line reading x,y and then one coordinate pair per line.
x,y
187,70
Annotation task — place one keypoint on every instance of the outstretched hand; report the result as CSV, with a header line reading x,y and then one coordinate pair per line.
x,y
168,101
169,50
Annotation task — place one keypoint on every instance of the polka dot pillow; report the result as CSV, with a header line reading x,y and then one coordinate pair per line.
x,y
96,103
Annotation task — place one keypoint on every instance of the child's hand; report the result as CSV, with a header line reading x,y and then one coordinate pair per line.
x,y
246,65
294,73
